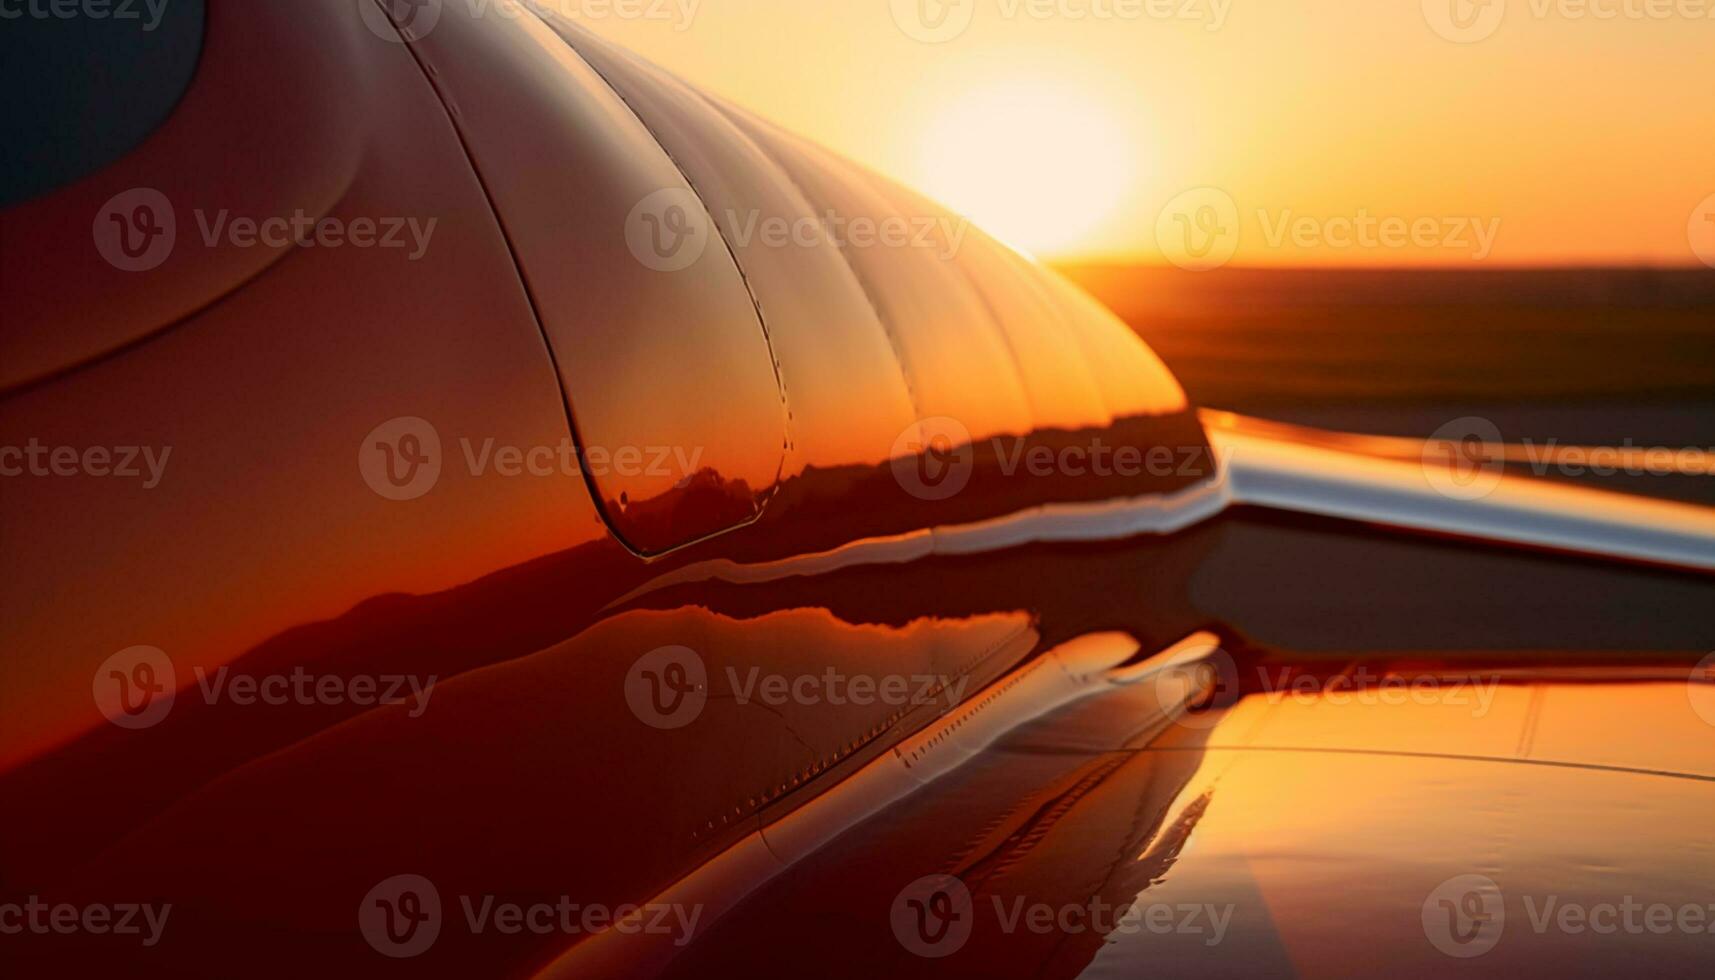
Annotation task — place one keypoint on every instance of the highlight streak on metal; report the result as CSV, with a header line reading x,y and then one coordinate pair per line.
x,y
1309,474
1081,668
1052,523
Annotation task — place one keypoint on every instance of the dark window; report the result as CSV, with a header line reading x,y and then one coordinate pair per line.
x,y
83,90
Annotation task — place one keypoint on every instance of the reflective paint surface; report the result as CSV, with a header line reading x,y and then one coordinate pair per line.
x,y
1312,827
679,415
368,648
362,590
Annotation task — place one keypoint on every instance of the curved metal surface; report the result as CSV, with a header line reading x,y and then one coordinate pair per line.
x,y
1390,483
660,354
261,133
331,500
1307,824
346,502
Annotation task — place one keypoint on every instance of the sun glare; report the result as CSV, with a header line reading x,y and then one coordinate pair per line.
x,y
1038,166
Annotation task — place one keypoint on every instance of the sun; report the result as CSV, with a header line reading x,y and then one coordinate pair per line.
x,y
1038,165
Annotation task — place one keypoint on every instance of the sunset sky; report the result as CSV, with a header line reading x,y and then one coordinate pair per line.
x,y
1552,137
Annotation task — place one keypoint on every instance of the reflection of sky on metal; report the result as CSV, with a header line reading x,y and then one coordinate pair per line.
x,y
1299,830
1333,817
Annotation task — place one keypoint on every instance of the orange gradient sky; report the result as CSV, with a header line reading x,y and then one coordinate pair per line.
x,y
1571,138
